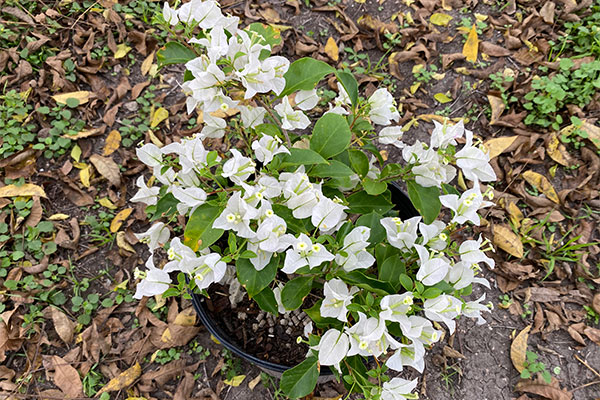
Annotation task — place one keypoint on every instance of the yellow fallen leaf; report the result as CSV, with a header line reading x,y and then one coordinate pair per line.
x,y
235,381
440,19
214,339
498,107
166,336
186,317
506,239
154,139
497,146
122,51
462,71
471,46
84,134
58,217
24,190
515,214
145,68
557,151
415,87
158,116
112,143
83,96
118,220
107,203
443,98
541,183
332,50
252,384
84,175
592,131
518,349
76,153
123,380
438,77
480,17
122,243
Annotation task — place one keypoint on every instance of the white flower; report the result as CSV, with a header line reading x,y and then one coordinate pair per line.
x,y
395,306
471,253
238,168
170,15
306,99
332,348
391,135
369,337
305,253
165,176
444,135
465,208
473,309
189,198
291,119
206,269
433,236
155,281
214,127
178,255
398,389
430,169
420,329
443,308
432,269
277,293
192,155
205,12
216,43
146,195
308,328
252,116
327,214
150,155
237,216
474,163
355,244
401,234
408,355
337,299
383,109
266,147
157,235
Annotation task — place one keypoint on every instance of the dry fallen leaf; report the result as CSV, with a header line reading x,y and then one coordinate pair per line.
x,y
83,96
112,143
498,107
158,116
541,388
515,214
235,381
67,378
63,325
541,183
123,380
186,317
471,46
105,202
442,98
84,175
518,349
497,146
145,68
25,190
107,168
440,19
506,239
118,220
122,51
332,50
123,244
252,384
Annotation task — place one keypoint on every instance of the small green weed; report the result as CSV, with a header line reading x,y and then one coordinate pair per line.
x,y
532,367
423,74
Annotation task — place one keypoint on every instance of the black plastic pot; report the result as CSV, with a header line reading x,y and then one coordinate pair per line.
x,y
406,210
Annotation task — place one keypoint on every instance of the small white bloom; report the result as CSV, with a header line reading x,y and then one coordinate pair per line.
x,y
332,348
155,281
206,269
146,195
401,234
306,99
189,198
214,127
369,337
391,135
170,15
408,355
394,307
433,235
327,214
465,208
398,389
383,108
252,116
150,155
308,328
470,252
291,119
277,292
303,253
443,308
237,216
156,236
445,134
432,269
238,168
337,299
267,147
473,309
355,244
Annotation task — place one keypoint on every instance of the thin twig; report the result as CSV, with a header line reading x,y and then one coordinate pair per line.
x,y
586,385
587,366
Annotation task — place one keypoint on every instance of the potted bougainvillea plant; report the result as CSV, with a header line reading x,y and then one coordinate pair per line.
x,y
295,207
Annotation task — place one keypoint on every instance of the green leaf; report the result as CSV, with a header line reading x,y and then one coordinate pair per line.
x,y
266,34
255,281
322,322
349,83
301,157
360,279
331,135
293,224
391,270
266,301
364,203
431,293
304,74
425,200
359,162
166,206
406,282
449,189
371,220
174,53
199,233
374,188
335,169
295,291
301,380
72,102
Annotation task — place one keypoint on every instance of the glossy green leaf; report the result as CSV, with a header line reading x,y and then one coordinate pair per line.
x,y
255,281
301,380
331,135
174,53
349,83
304,74
359,162
364,203
295,291
373,187
299,157
371,220
335,169
266,301
426,200
199,233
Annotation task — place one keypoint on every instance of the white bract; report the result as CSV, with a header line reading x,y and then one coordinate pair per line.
x,y
383,108
303,253
154,281
291,119
398,389
157,235
337,299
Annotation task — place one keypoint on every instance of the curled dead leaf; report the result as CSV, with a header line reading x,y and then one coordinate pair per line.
x,y
557,151
332,50
63,325
518,349
508,241
118,220
497,146
541,183
123,380
112,143
25,190
107,168
498,107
